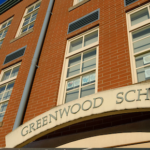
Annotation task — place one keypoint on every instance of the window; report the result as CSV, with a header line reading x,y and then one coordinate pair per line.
x,y
79,74
29,18
7,81
3,30
10,73
139,42
77,1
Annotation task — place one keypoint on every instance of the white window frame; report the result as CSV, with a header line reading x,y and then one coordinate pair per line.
x,y
5,91
62,87
130,29
76,2
19,32
5,28
8,81
6,100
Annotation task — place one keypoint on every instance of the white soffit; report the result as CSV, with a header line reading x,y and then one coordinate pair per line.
x,y
111,140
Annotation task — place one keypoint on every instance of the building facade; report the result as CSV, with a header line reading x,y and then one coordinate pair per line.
x,y
75,73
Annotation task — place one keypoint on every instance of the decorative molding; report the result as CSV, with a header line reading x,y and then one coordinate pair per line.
x,y
77,5
7,5
22,35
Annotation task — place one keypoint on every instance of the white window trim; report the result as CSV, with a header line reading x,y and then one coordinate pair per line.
x,y
6,82
5,90
25,15
6,28
130,29
10,79
67,54
7,100
4,23
75,2
61,99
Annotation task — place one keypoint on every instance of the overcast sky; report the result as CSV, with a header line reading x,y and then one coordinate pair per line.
x,y
2,1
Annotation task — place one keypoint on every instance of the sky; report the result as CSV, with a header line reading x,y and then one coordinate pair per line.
x,y
2,1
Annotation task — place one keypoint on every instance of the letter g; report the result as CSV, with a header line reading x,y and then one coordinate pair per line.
x,y
23,130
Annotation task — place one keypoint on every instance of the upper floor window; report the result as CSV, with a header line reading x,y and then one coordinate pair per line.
x,y
77,1
139,38
7,80
10,73
29,18
79,76
3,30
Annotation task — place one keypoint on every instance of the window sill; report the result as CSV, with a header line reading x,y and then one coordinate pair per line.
x,y
77,5
146,81
83,29
1,124
22,35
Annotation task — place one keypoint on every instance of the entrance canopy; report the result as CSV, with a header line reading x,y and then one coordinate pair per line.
x,y
133,98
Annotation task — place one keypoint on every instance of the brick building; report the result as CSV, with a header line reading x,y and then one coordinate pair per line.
x,y
75,73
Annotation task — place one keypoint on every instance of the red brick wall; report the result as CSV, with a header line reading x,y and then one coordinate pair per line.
x,y
31,41
114,62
